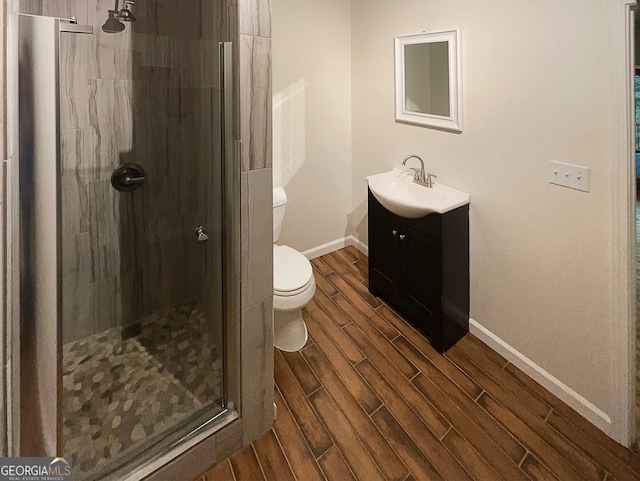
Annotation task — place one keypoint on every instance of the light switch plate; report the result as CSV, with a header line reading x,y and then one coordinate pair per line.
x,y
569,175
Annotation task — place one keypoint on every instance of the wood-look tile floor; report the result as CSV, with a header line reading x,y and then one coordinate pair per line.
x,y
369,399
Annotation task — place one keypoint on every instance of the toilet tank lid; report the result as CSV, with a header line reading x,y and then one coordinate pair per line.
x,y
279,196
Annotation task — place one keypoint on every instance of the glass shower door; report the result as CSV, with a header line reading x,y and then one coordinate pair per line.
x,y
140,196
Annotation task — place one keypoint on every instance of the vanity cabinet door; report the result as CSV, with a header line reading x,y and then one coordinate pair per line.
x,y
384,248
384,271
420,269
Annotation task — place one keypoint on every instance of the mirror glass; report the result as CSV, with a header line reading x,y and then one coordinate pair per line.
x,y
428,80
426,67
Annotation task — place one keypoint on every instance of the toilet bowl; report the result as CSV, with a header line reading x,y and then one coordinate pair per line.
x,y
293,286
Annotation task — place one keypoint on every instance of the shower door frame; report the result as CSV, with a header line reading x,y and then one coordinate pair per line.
x,y
40,300
12,240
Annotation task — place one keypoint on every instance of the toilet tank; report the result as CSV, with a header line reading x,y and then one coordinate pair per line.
x,y
279,203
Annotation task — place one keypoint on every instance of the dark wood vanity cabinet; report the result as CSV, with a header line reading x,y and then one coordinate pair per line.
x,y
421,268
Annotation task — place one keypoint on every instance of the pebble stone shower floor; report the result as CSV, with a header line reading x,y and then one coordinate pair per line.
x,y
120,393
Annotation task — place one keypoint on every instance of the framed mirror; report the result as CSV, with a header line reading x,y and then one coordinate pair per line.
x,y
428,86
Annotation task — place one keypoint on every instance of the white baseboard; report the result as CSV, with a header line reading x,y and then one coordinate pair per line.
x,y
361,246
334,246
574,400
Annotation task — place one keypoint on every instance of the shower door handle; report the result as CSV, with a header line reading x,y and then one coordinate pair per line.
x,y
201,234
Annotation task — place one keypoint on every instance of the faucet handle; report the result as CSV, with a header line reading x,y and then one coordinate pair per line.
x,y
430,178
416,173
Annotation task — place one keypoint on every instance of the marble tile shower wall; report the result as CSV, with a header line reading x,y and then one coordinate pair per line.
x,y
257,225
144,95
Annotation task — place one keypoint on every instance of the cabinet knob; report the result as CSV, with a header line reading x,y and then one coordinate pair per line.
x,y
402,236
394,232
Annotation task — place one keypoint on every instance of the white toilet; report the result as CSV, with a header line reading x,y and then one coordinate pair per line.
x,y
293,285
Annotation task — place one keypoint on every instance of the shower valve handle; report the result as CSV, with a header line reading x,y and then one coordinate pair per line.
x,y
133,180
127,177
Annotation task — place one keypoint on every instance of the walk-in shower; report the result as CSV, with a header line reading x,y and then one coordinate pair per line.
x,y
124,210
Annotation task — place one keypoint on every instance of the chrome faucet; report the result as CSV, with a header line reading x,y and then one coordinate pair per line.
x,y
418,174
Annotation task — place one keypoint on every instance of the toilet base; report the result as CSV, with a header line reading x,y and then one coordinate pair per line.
x,y
289,330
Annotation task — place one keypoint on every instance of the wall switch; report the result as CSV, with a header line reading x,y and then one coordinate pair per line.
x,y
569,175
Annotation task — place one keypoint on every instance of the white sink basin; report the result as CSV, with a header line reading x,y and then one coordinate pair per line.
x,y
397,192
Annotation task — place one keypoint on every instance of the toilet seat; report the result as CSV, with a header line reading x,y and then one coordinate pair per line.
x,y
292,272
278,292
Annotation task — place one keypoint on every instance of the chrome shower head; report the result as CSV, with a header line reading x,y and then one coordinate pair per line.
x,y
125,14
112,25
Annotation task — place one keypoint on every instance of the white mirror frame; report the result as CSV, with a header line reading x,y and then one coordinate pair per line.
x,y
454,121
